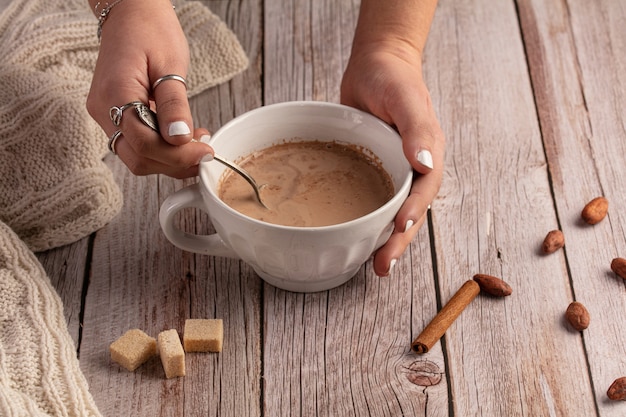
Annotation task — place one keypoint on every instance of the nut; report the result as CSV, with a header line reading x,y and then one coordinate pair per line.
x,y
617,390
618,265
595,210
493,285
577,315
553,241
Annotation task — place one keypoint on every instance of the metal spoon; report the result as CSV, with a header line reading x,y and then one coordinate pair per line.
x,y
239,170
149,118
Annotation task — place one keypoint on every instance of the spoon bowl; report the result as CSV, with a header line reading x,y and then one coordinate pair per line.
x,y
239,170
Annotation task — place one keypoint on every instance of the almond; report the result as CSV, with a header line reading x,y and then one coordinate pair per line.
x,y
577,315
595,210
553,241
493,285
618,265
617,390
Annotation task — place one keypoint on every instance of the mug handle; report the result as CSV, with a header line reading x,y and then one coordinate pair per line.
x,y
190,197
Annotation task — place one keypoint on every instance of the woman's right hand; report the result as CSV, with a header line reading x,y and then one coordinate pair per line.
x,y
141,42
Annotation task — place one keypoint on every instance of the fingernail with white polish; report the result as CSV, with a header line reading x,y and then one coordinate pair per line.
x,y
409,224
178,129
207,158
205,138
391,265
425,158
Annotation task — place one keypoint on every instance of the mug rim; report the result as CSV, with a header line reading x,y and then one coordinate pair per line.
x,y
401,193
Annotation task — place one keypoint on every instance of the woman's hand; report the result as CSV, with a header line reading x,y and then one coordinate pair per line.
x,y
141,42
386,81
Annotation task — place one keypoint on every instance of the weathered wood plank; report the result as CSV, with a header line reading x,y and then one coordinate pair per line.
x,y
307,45
577,52
67,268
508,356
140,280
232,387
345,351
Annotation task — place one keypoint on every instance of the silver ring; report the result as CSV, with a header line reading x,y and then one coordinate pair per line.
x,y
147,116
169,77
116,113
114,137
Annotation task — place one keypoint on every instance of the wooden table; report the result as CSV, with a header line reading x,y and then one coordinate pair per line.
x,y
531,96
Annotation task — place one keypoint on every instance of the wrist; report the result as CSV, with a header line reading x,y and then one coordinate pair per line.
x,y
394,25
366,53
102,13
105,10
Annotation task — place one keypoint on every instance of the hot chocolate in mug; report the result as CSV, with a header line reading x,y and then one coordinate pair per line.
x,y
299,259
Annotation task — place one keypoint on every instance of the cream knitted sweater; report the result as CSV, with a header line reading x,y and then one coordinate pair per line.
x,y
39,373
54,186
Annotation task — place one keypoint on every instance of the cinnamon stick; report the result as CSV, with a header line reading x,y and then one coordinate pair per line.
x,y
442,321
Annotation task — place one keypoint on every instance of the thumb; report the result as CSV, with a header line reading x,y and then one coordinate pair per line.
x,y
421,134
174,113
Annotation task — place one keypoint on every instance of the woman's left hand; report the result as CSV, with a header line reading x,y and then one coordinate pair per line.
x,y
387,82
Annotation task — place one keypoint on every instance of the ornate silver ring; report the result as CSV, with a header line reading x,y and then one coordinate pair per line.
x,y
116,113
147,116
169,77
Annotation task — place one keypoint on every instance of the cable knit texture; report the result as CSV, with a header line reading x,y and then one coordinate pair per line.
x,y
55,188
39,371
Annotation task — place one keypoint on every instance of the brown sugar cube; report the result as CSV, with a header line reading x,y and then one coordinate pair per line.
x,y
172,353
203,335
132,349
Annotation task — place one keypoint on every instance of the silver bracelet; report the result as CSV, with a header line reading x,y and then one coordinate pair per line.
x,y
104,13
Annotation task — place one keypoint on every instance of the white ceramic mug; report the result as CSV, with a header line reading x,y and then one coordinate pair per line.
x,y
299,259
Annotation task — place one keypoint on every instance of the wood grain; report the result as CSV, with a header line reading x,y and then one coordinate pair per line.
x,y
68,272
326,353
581,92
492,213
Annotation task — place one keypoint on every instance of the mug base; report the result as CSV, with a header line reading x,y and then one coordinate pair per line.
x,y
307,286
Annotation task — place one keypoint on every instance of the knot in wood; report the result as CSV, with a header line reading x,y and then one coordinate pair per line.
x,y
424,373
